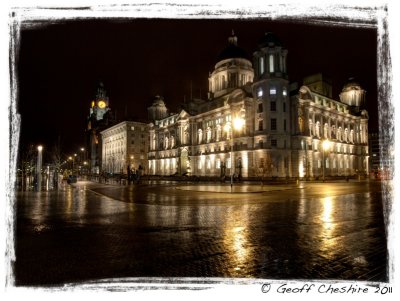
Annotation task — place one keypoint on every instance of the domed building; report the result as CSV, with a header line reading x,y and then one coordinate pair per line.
x,y
158,110
256,124
233,70
352,94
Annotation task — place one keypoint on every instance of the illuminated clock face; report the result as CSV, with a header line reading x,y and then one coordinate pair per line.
x,y
101,104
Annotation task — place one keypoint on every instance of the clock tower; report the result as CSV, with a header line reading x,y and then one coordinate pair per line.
x,y
99,105
100,118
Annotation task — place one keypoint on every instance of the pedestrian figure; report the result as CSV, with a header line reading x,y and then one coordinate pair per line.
x,y
129,175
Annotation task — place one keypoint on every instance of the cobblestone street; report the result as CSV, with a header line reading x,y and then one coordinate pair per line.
x,y
93,231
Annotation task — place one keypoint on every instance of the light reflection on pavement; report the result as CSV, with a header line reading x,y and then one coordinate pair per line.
x,y
307,231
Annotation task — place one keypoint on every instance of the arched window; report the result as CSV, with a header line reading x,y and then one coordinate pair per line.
x,y
218,132
166,142
317,129
333,132
310,127
172,142
346,135
200,136
339,134
208,133
326,130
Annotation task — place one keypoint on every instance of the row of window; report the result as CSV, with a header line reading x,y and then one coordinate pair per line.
x,y
234,80
276,62
272,91
273,124
333,133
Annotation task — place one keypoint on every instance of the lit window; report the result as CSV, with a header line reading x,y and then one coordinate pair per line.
x,y
208,163
260,93
228,163
272,91
271,63
261,65
218,163
284,92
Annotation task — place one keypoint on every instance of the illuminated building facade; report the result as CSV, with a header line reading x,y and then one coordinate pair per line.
x,y
125,145
255,124
317,117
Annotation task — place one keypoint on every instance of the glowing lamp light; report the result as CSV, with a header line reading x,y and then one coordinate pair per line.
x,y
227,127
326,144
238,123
40,148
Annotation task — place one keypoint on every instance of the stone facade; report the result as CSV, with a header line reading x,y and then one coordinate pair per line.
x,y
255,124
125,144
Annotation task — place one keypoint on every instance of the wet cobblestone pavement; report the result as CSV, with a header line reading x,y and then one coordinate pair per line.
x,y
94,231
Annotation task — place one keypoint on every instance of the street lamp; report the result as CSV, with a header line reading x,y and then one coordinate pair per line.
x,y
72,159
325,146
238,123
39,168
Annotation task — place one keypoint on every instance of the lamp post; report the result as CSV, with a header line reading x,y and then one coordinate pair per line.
x,y
72,159
39,168
82,159
325,147
238,123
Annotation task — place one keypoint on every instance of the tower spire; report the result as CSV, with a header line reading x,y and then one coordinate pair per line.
x,y
233,39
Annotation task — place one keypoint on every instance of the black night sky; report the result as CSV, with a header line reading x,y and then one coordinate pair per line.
x,y
60,64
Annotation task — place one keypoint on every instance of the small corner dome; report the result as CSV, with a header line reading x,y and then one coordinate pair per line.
x,y
232,50
352,84
158,100
269,40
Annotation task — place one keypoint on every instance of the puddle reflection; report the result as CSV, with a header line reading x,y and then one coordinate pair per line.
x,y
236,236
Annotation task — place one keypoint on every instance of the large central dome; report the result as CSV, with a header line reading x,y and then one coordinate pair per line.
x,y
232,51
233,70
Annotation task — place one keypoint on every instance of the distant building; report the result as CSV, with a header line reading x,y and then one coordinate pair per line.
x,y
255,124
381,157
375,149
125,145
100,117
